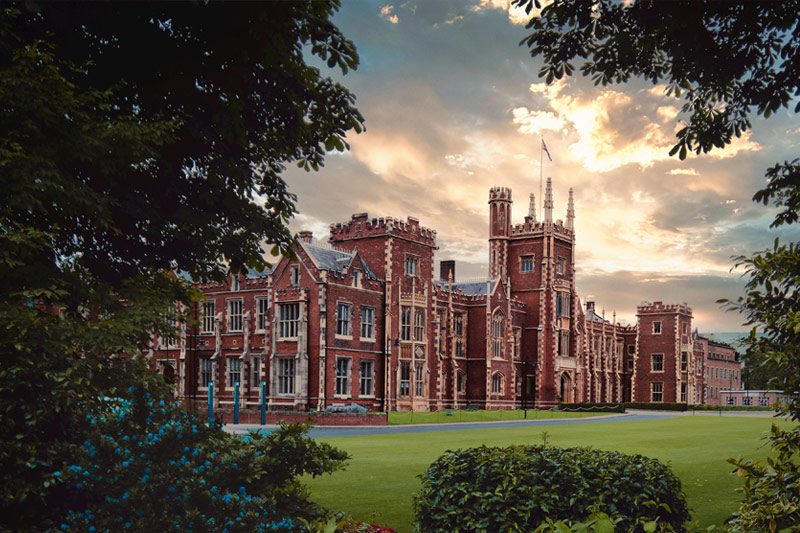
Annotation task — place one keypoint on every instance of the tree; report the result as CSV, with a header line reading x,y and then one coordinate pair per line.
x,y
727,60
137,140
742,58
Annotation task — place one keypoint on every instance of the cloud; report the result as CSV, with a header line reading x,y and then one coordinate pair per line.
x,y
454,19
683,171
516,14
386,12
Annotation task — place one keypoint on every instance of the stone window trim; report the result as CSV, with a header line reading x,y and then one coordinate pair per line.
x,y
411,265
526,263
368,314
294,275
657,392
561,265
657,363
461,382
262,314
205,370
256,372
288,321
498,383
208,309
343,371
286,373
366,381
234,319
657,329
357,276
344,320
234,367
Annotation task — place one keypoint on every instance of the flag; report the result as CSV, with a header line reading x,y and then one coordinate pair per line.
x,y
544,147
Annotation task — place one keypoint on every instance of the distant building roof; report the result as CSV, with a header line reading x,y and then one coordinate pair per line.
x,y
333,259
469,288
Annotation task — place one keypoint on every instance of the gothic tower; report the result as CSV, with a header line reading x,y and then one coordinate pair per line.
x,y
499,231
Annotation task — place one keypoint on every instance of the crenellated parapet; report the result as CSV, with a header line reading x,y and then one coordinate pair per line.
x,y
659,307
499,193
361,226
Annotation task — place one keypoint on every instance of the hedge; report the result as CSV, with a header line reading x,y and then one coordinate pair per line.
x,y
518,488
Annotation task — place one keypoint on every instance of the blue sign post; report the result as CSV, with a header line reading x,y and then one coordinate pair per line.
x,y
263,403
210,401
236,402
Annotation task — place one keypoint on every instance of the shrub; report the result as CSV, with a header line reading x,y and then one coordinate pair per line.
x,y
519,487
771,493
149,465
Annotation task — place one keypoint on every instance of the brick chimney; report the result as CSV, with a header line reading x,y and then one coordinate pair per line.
x,y
306,236
447,268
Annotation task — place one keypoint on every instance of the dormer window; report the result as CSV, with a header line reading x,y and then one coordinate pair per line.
x,y
294,274
356,278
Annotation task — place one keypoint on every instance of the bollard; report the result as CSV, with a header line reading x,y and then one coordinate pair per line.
x,y
210,401
263,403
235,402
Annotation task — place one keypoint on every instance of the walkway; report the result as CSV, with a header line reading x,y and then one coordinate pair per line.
x,y
631,416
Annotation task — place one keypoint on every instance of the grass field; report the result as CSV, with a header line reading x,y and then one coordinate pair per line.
x,y
382,474
460,415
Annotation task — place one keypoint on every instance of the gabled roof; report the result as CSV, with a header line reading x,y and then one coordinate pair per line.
x,y
326,257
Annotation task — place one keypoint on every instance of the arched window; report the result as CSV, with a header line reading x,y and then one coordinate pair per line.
x,y
498,334
461,381
497,383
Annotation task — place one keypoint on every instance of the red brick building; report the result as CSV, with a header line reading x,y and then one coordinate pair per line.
x,y
721,371
360,317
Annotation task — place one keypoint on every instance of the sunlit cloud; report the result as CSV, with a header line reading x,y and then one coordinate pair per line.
x,y
516,14
683,171
386,12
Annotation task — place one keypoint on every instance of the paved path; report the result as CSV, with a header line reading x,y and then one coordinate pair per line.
x,y
630,416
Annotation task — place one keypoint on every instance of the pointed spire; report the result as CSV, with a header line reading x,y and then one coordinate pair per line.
x,y
570,212
548,201
532,208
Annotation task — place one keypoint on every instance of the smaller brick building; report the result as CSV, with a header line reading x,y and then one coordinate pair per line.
x,y
721,370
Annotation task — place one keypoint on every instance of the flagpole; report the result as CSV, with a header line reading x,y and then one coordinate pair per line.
x,y
541,163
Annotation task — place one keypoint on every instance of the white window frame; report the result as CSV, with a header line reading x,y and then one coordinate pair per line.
x,y
366,371
288,321
208,310
356,278
287,375
763,401
562,304
344,320
342,371
206,368
294,275
657,388
234,318
560,262
653,363
367,323
233,373
262,313
657,329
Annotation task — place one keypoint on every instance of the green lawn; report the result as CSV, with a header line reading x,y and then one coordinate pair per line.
x,y
460,415
381,476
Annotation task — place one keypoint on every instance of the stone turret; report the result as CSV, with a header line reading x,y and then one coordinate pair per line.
x,y
570,212
548,201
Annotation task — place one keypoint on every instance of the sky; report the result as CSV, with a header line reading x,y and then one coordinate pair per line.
x,y
454,106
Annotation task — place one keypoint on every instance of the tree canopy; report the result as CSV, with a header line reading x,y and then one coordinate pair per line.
x,y
726,60
137,140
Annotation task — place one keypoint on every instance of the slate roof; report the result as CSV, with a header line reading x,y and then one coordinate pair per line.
x,y
472,288
331,259
253,273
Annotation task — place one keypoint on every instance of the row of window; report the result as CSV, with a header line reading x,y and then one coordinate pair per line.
x,y
406,329
344,321
234,315
657,362
714,372
286,374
